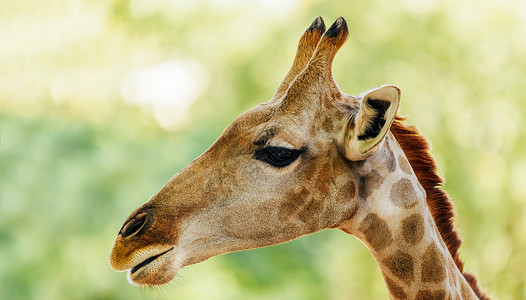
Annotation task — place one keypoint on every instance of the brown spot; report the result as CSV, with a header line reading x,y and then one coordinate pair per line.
x,y
293,200
433,265
401,265
327,125
369,183
394,289
340,165
404,165
308,213
347,192
413,228
403,193
324,179
376,232
430,295
345,197
327,100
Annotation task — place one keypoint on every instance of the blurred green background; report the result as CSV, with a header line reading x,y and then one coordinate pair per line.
x,y
104,100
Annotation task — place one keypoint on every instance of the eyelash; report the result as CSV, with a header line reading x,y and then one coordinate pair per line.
x,y
277,156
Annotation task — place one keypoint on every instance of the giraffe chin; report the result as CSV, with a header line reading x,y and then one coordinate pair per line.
x,y
156,270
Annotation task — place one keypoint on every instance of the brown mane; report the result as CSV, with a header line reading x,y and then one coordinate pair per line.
x,y
418,152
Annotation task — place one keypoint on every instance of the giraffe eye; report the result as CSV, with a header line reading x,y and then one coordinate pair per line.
x,y
277,156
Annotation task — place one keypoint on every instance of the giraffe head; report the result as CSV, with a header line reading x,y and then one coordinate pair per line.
x,y
281,170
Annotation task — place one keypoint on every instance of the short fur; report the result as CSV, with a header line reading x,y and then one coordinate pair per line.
x,y
418,151
226,201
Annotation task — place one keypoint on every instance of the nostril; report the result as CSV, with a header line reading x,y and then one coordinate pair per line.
x,y
134,225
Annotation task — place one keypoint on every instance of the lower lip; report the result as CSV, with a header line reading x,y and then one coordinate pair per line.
x,y
148,261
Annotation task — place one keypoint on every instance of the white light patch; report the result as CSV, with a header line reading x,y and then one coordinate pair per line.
x,y
168,89
419,6
267,7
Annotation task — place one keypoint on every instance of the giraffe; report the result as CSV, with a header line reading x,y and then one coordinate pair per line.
x,y
310,158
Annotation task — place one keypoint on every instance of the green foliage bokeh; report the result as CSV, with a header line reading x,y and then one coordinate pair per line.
x,y
75,159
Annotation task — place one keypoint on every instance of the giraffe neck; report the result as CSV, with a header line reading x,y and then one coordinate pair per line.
x,y
413,258
394,222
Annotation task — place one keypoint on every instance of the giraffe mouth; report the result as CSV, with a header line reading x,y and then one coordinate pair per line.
x,y
154,270
148,261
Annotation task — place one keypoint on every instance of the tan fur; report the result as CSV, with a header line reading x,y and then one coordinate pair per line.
x,y
228,200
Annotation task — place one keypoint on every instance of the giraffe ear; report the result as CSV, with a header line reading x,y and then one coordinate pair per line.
x,y
366,130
